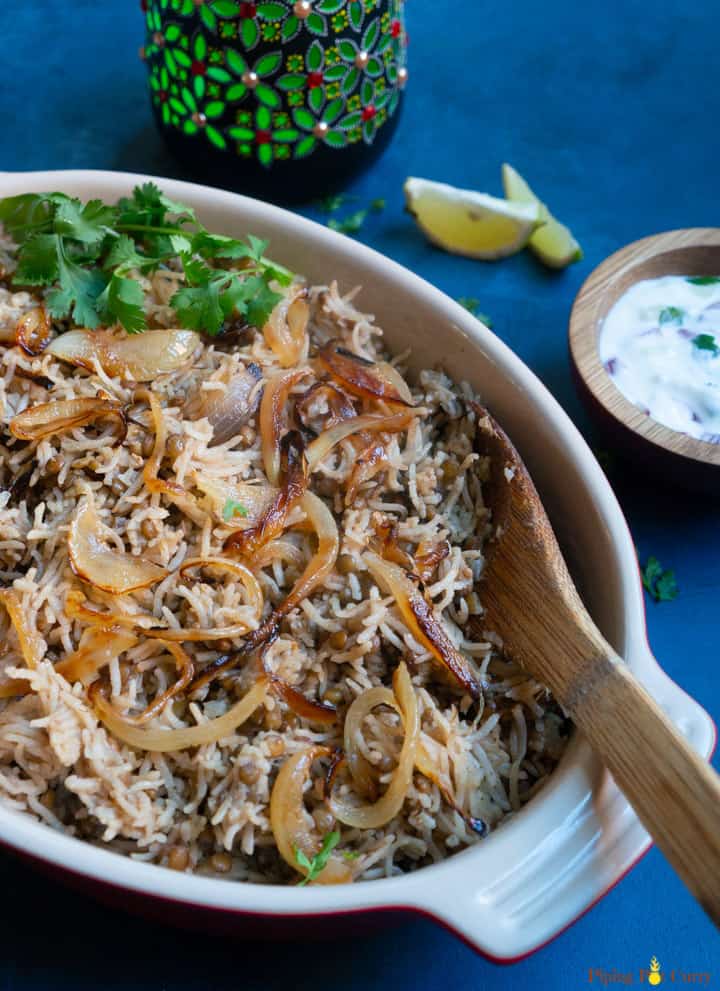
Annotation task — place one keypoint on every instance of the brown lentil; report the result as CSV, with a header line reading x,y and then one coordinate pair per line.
x,y
178,858
338,639
221,863
276,746
148,528
248,774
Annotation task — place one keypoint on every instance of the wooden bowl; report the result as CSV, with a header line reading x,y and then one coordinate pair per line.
x,y
681,459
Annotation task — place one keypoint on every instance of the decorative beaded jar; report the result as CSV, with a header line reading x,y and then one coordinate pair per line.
x,y
284,99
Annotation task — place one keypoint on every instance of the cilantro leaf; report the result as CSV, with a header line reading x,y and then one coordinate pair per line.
x,y
233,508
123,301
27,212
198,307
350,224
87,223
318,863
124,255
378,205
149,206
706,342
670,314
262,301
78,293
703,280
38,261
658,581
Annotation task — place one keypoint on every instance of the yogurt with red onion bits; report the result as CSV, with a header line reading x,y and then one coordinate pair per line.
x,y
660,344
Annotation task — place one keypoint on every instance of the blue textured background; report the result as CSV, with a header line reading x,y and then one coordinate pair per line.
x,y
611,109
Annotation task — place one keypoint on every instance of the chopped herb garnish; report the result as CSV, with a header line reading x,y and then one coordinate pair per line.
x,y
89,253
659,582
472,306
671,314
706,342
319,861
378,205
350,854
233,508
704,280
350,224
333,202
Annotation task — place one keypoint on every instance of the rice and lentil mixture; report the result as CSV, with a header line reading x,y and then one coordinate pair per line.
x,y
410,495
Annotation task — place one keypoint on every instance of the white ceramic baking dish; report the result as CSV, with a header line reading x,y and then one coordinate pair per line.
x,y
529,880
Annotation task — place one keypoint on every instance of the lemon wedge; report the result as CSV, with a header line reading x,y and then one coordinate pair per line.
x,y
469,223
553,243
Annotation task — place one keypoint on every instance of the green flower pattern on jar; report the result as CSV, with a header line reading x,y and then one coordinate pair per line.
x,y
338,86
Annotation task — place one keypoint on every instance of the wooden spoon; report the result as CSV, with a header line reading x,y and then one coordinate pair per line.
x,y
531,602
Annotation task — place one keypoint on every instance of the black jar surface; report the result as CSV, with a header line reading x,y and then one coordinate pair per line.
x,y
280,99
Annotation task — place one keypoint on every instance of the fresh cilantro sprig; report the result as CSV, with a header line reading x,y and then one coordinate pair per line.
x,y
659,582
706,342
233,508
88,253
318,863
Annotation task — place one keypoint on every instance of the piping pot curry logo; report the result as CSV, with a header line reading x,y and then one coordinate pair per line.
x,y
652,975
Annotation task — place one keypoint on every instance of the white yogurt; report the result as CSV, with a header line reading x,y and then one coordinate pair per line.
x,y
660,342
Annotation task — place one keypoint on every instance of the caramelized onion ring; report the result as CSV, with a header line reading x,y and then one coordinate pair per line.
x,y
110,570
272,419
33,329
98,646
290,821
322,445
364,378
166,741
28,641
227,410
285,329
315,712
47,419
293,482
420,620
141,356
403,700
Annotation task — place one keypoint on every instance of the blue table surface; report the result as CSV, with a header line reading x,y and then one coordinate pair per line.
x,y
612,111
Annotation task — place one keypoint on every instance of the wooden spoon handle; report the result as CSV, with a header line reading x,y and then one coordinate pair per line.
x,y
675,793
